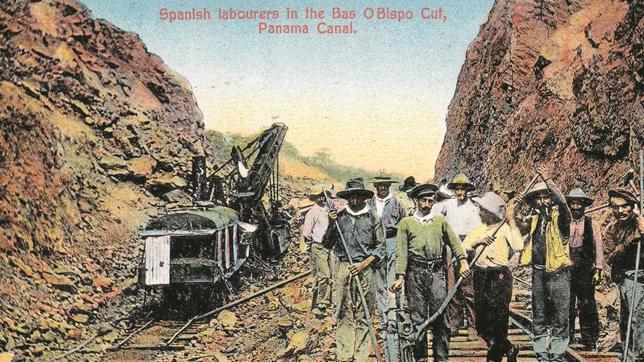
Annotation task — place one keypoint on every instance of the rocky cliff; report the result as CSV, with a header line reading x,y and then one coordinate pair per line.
x,y
94,130
549,82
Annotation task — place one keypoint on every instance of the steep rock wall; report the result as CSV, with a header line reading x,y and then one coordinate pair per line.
x,y
549,82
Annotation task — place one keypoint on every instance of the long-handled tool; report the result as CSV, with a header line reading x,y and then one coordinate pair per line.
x,y
637,266
451,293
363,300
405,331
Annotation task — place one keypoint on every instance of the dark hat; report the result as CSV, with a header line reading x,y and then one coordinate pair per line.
x,y
461,180
624,194
355,187
422,190
408,184
578,194
383,180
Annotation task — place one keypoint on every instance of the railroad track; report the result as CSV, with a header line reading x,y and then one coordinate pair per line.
x,y
177,335
172,335
154,335
466,347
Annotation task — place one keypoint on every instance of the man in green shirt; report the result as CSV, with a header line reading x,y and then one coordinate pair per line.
x,y
420,260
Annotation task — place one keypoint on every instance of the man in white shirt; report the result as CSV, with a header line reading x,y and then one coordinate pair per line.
x,y
462,216
316,222
390,210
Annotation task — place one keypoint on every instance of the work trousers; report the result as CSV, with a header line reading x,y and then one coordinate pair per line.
x,y
492,295
425,289
463,299
386,301
322,274
636,342
550,307
582,295
353,342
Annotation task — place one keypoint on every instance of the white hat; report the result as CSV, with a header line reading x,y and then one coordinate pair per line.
x,y
492,203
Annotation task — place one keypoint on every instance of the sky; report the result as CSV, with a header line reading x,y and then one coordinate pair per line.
x,y
376,98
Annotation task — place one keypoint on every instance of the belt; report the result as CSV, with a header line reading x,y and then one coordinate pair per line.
x,y
432,264
493,270
390,233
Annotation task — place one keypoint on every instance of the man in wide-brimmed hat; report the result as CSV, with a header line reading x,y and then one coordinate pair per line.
x,y
420,266
314,227
408,184
586,252
620,247
492,276
364,237
390,211
547,251
462,215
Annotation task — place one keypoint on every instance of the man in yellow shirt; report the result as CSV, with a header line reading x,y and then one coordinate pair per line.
x,y
492,277
546,250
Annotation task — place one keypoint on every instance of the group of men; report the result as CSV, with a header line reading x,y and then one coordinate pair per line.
x,y
388,257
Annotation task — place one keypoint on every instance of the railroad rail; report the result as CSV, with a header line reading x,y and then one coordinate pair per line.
x,y
466,347
176,335
172,335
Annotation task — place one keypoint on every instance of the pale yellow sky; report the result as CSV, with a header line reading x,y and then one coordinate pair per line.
x,y
376,98
377,129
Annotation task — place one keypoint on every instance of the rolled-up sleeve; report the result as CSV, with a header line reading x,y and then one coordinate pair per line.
x,y
515,240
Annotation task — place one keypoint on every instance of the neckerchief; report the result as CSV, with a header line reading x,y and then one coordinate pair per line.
x,y
364,210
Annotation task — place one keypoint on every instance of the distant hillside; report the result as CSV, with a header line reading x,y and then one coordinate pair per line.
x,y
294,165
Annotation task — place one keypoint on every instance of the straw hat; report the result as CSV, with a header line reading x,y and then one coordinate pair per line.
x,y
578,194
538,188
492,203
317,192
461,180
383,180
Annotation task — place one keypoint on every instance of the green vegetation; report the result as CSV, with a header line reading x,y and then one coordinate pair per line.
x,y
321,160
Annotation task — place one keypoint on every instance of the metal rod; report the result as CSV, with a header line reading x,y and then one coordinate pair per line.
x,y
77,348
637,266
596,208
120,344
374,341
237,302
451,293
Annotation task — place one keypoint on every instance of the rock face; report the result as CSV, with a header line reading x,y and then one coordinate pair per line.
x,y
84,107
93,131
549,82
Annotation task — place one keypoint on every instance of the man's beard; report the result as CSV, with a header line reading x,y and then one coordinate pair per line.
x,y
546,211
425,210
577,214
